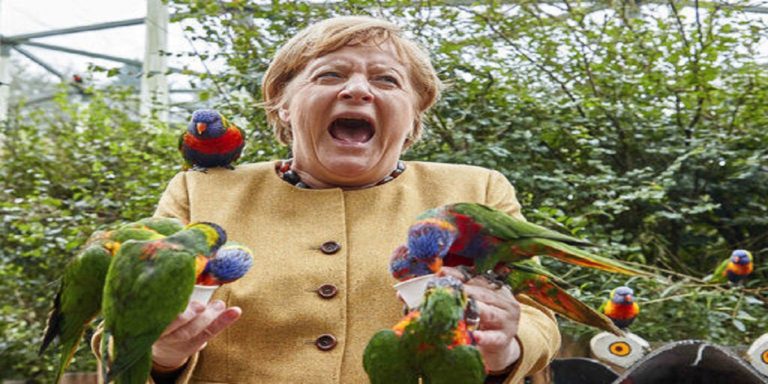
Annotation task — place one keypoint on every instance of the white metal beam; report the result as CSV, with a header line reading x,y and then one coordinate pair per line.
x,y
154,98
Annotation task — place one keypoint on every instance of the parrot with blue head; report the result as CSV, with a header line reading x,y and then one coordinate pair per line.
x,y
621,307
483,241
147,285
431,343
484,237
735,269
230,263
210,140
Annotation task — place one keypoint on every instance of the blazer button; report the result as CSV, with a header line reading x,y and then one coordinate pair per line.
x,y
330,247
325,342
327,291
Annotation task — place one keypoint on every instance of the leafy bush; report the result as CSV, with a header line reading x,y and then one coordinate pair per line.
x,y
64,174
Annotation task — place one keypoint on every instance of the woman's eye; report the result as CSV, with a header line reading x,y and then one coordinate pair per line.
x,y
388,79
330,74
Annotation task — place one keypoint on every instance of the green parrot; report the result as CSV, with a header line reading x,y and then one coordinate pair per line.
x,y
735,269
431,343
148,284
478,235
78,299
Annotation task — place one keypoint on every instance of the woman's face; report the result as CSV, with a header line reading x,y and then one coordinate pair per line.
x,y
350,112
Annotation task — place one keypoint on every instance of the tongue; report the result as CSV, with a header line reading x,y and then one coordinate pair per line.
x,y
351,133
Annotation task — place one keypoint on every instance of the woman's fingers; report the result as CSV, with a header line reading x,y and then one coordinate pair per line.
x,y
191,331
192,310
221,322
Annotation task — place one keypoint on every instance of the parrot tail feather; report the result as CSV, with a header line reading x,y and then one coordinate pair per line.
x,y
53,327
548,294
576,256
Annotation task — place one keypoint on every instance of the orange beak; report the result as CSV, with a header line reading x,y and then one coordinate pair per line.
x,y
201,127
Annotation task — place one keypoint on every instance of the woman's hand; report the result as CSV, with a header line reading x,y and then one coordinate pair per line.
x,y
190,333
499,318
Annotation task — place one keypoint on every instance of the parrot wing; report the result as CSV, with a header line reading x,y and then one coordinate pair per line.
x,y
544,291
165,226
506,227
386,361
718,276
148,285
77,302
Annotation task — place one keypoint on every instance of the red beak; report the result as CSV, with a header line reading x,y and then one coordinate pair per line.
x,y
201,127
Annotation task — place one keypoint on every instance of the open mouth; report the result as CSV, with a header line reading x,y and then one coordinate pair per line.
x,y
351,130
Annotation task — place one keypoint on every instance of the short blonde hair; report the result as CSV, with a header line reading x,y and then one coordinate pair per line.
x,y
335,33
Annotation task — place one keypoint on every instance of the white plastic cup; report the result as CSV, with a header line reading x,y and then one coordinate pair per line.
x,y
412,291
203,293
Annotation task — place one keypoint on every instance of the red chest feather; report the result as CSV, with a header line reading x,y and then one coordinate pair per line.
x,y
227,142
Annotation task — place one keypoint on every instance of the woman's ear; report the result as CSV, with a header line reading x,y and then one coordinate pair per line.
x,y
284,114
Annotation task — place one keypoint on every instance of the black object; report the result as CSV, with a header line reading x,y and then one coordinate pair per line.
x,y
581,370
691,361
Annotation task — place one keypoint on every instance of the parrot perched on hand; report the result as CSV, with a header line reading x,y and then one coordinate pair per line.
x,y
229,263
431,342
483,237
496,244
621,308
148,284
78,299
735,269
210,140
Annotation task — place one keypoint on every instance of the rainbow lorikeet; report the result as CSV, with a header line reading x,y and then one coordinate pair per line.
x,y
480,236
431,343
210,140
147,285
78,299
495,244
735,269
621,307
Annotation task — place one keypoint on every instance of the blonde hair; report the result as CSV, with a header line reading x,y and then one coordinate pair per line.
x,y
335,33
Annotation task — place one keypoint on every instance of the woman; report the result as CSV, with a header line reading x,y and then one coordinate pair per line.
x,y
347,95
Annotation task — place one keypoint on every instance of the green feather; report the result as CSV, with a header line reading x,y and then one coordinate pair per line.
x,y
387,362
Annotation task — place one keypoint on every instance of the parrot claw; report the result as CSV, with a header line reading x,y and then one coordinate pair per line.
x,y
493,279
199,169
230,167
472,315
466,272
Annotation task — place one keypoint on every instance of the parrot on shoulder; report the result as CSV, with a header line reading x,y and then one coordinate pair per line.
x,y
78,299
734,269
621,307
210,140
147,285
431,343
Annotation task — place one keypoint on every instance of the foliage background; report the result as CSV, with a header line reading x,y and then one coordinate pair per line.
x,y
641,129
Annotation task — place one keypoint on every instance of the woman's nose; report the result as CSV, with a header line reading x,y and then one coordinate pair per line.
x,y
356,89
